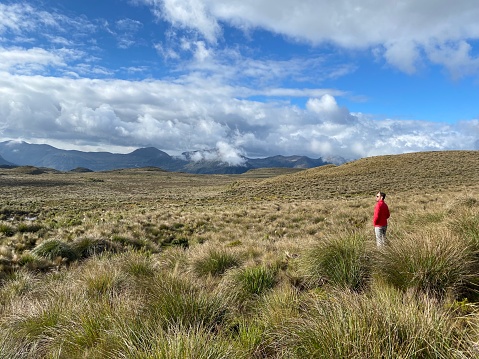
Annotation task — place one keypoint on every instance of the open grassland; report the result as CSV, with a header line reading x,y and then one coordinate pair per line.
x,y
273,263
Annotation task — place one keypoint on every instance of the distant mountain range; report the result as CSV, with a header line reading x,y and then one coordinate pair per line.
x,y
14,153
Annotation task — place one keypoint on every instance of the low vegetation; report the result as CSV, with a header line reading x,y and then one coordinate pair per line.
x,y
267,264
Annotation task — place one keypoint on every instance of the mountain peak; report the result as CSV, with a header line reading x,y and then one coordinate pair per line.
x,y
151,152
204,161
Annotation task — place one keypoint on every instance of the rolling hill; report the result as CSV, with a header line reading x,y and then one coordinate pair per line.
x,y
415,172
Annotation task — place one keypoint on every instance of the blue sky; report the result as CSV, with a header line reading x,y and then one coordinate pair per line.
x,y
248,77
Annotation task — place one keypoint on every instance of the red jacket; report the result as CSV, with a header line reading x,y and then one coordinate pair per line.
x,y
381,214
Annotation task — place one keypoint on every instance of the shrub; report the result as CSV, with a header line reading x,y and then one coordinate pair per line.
x,y
103,283
134,243
215,263
171,240
341,261
39,323
138,265
251,336
180,242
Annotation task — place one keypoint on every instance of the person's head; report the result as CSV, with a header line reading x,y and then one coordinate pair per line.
x,y
380,196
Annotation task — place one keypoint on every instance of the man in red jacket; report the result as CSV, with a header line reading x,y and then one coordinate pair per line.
x,y
380,219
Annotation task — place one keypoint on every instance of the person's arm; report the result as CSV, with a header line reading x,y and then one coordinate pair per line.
x,y
376,214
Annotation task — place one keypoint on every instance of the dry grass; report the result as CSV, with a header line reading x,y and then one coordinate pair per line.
x,y
115,264
415,173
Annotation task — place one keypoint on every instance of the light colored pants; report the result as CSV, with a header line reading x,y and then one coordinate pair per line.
x,y
380,236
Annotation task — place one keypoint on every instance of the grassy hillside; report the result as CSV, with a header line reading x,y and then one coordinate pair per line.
x,y
143,263
415,172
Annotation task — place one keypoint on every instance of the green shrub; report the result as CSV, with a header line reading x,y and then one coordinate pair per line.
x,y
138,265
251,337
172,240
180,242
341,261
38,324
134,243
215,263
103,283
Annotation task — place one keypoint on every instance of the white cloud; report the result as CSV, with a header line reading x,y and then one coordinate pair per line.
x,y
28,60
403,28
456,57
23,18
327,109
126,30
201,52
403,55
197,115
191,14
16,18
216,98
229,154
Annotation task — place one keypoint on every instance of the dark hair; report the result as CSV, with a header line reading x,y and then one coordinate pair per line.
x,y
382,195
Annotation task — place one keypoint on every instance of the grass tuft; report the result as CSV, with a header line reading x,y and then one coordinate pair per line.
x,y
53,249
432,263
7,230
255,280
383,324
215,263
341,261
86,247
180,304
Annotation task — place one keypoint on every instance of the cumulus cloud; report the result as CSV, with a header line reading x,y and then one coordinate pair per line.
x,y
457,57
229,154
327,108
223,152
220,98
194,115
27,59
190,14
404,30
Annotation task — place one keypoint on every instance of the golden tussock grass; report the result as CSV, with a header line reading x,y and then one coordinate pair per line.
x,y
268,264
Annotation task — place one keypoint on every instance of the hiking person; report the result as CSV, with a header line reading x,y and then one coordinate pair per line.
x,y
380,219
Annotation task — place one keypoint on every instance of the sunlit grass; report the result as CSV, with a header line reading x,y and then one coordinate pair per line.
x,y
215,262
436,263
142,264
342,260
383,323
